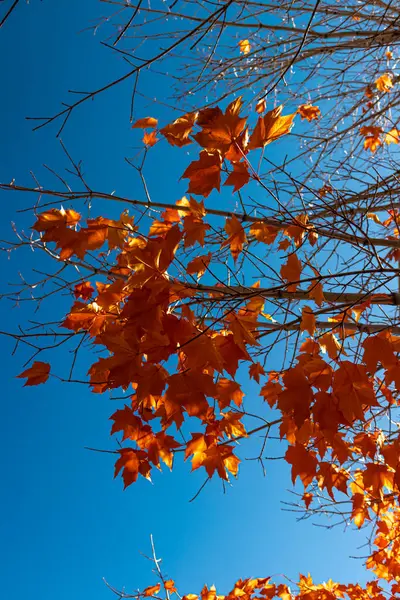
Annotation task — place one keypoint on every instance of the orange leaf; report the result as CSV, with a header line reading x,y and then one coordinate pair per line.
x,y
199,265
132,462
149,122
360,510
227,391
125,420
308,320
291,272
304,463
223,131
264,233
152,590
204,174
231,424
270,392
372,137
194,230
255,370
330,476
38,373
170,586
330,344
83,290
54,218
315,292
177,133
354,390
239,176
270,128
150,139
160,446
309,112
237,236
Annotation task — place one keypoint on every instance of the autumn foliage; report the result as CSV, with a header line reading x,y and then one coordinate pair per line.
x,y
189,300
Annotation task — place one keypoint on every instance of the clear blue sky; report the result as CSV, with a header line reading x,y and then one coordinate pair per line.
x,y
65,522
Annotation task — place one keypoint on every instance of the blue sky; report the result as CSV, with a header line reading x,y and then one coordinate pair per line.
x,y
65,522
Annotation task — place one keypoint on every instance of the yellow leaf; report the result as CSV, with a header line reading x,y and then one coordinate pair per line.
x,y
384,83
244,46
392,137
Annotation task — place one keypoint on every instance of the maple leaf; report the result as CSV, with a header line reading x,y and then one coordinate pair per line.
x,y
384,83
309,112
296,398
326,413
194,231
308,320
152,590
220,459
149,122
199,265
221,131
330,344
227,391
161,446
315,292
132,462
244,46
177,133
354,390
264,233
83,290
393,136
189,389
231,424
237,236
376,478
125,420
304,463
378,349
318,372
255,371
169,585
270,127
205,173
291,272
150,139
372,137
38,373
55,218
271,392
230,352
330,476
239,177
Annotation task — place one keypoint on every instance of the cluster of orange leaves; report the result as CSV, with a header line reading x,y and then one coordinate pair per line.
x,y
224,136
264,589
145,320
374,135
